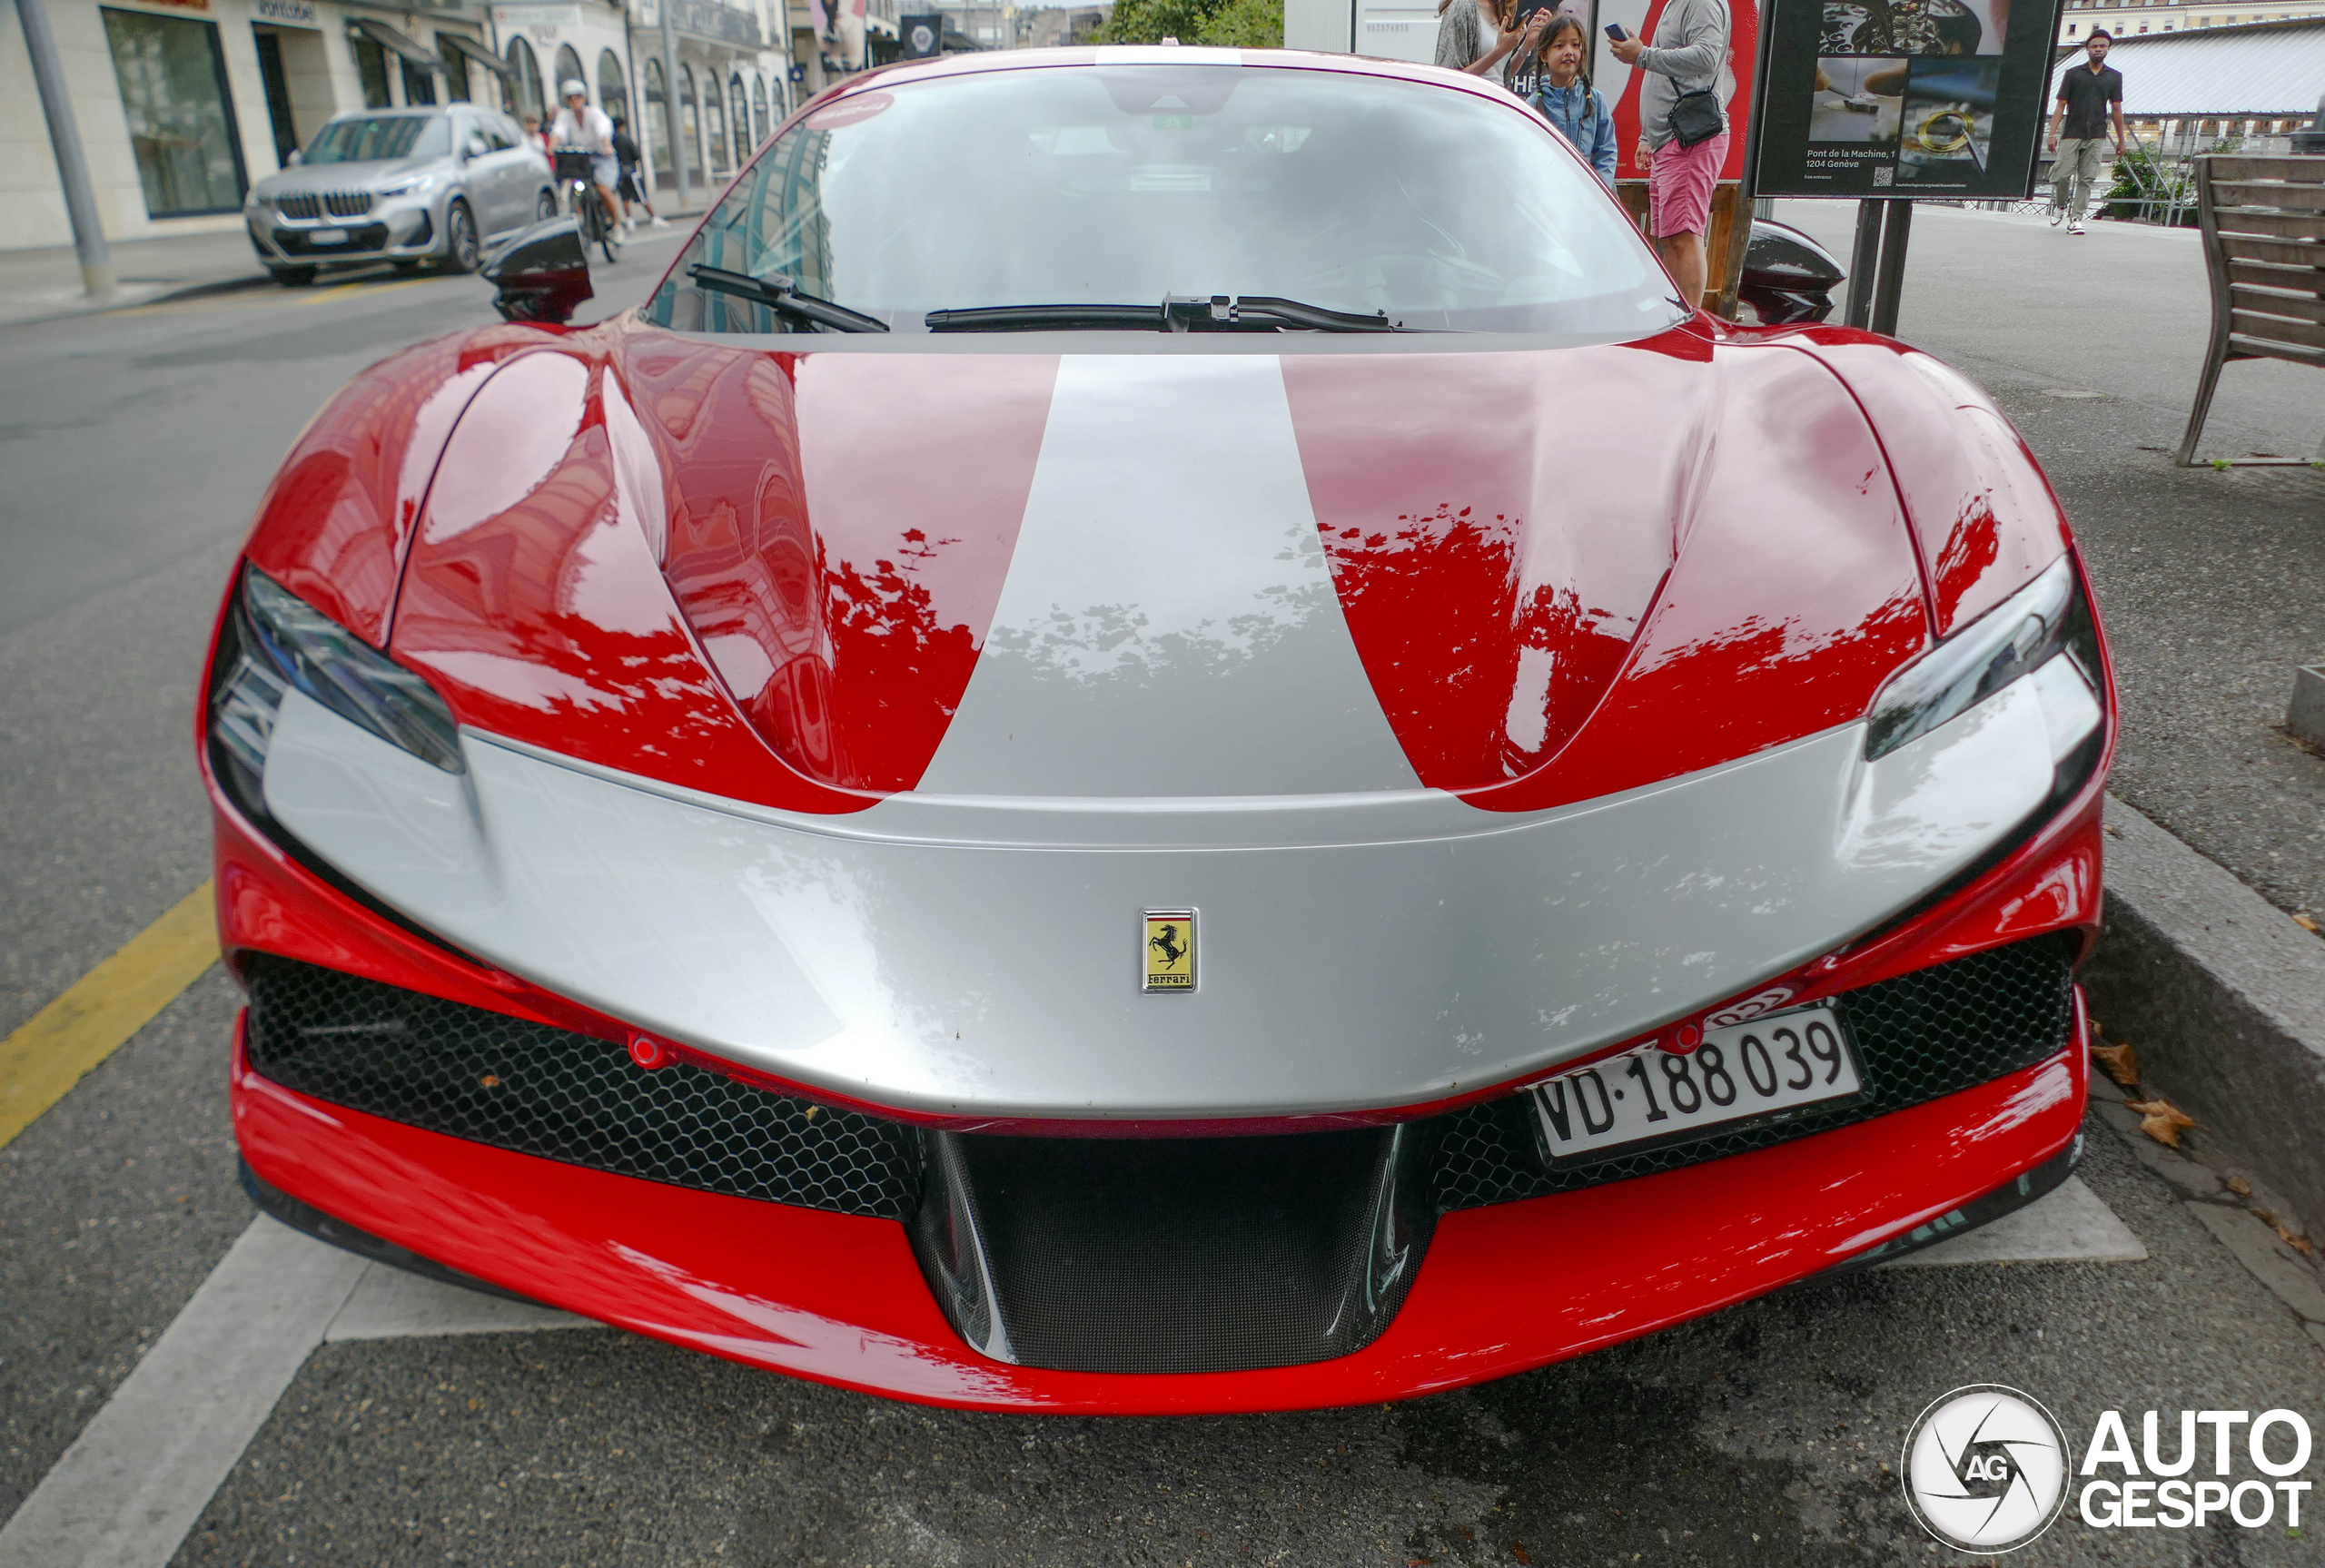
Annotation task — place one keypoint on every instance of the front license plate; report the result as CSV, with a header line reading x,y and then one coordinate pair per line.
x,y
328,237
1770,1064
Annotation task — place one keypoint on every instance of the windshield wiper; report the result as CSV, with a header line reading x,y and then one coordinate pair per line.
x,y
1219,313
778,294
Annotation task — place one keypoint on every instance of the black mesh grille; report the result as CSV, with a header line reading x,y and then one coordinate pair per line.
x,y
493,1079
1920,1036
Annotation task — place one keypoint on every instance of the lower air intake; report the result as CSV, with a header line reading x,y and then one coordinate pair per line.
x,y
1174,1254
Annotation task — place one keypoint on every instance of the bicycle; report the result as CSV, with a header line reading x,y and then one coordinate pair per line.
x,y
576,179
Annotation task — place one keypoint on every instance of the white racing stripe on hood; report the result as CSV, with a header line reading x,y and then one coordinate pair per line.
x,y
1168,625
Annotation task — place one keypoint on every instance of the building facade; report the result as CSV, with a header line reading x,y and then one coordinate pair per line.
x,y
2131,18
181,105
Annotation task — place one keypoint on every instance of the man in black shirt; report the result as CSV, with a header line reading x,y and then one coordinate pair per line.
x,y
631,186
2087,94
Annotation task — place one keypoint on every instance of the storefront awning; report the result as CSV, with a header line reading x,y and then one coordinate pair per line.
x,y
403,44
478,53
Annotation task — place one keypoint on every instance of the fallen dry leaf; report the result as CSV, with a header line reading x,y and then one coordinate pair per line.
x,y
2307,922
2160,1120
1517,1550
2297,1242
2240,1186
2122,1064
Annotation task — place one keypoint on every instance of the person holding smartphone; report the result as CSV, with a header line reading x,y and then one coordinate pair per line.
x,y
1567,99
1686,64
1480,36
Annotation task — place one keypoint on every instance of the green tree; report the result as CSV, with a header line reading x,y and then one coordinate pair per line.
x,y
1235,23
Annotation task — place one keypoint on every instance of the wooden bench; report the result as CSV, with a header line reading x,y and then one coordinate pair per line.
x,y
2264,245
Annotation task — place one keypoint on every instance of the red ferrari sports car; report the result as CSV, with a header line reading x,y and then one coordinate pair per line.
x,y
1163,737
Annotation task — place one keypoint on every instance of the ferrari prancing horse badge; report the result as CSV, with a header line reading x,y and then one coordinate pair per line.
x,y
1170,949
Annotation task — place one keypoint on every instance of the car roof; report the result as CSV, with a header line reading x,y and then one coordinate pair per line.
x,y
1119,54
413,111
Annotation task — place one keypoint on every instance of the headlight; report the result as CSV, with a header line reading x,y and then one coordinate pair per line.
x,y
2044,631
411,187
274,641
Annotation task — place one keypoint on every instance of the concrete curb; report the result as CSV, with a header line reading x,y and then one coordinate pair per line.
x,y
2223,997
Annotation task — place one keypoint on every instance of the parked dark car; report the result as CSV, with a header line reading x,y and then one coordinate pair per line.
x,y
1787,276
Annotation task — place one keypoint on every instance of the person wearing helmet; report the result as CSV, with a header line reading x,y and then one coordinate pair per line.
x,y
581,128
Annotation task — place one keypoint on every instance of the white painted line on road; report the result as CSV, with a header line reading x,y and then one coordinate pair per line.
x,y
2069,1225
139,1476
390,1303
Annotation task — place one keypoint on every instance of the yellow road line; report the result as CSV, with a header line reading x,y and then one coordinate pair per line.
x,y
94,1018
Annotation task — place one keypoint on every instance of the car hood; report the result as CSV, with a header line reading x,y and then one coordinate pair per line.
x,y
838,713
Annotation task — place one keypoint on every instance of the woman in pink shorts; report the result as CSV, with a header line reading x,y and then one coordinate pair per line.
x,y
1688,57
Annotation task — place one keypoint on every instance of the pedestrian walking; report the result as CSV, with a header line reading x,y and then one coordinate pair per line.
x,y
632,183
2087,94
1480,36
1570,102
1683,130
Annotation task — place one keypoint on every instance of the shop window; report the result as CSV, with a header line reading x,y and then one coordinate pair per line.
x,y
276,82
613,94
456,70
419,82
568,69
524,92
371,70
657,123
714,119
173,78
689,123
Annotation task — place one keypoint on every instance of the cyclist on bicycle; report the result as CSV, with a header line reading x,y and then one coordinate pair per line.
x,y
582,129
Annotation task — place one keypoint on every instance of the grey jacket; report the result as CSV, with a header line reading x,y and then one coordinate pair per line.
x,y
1689,53
1463,34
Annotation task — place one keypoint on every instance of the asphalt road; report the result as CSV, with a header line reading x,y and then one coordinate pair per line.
x,y
138,443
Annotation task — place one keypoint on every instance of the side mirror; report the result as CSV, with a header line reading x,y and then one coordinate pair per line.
x,y
540,273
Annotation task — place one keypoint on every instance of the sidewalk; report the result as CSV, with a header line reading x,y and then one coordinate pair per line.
x,y
44,285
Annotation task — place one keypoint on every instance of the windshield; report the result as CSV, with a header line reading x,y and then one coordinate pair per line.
x,y
1123,184
375,140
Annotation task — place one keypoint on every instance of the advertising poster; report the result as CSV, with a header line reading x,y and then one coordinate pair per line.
x,y
1904,98
1621,85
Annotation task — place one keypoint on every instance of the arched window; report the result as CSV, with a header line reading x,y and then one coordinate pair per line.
x,y
714,120
689,124
613,94
657,139
758,113
524,92
568,69
740,103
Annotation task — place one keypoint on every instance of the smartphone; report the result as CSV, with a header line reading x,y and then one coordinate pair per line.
x,y
1615,31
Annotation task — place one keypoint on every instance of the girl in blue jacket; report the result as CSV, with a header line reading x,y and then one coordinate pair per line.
x,y
1565,96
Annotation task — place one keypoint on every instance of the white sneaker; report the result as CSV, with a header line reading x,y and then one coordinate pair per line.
x,y
661,222
2075,225
2058,217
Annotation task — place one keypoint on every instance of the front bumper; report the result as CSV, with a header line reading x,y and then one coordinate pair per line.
x,y
841,1299
391,230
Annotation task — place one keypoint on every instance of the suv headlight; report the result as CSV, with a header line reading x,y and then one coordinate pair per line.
x,y
2043,632
274,641
409,187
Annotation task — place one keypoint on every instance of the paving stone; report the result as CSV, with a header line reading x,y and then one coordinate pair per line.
x,y
2256,1246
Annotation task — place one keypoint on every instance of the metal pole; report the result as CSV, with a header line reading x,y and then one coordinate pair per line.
x,y
670,101
1863,261
65,139
1897,225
